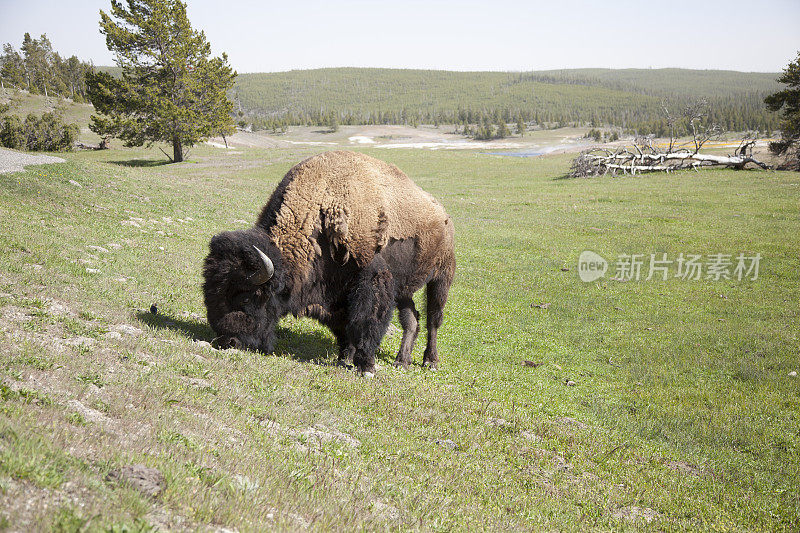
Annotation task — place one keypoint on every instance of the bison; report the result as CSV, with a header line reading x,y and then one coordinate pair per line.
x,y
344,238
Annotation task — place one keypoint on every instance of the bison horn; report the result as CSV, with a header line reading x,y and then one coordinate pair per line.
x,y
266,271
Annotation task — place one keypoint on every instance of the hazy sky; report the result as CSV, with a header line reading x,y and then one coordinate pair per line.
x,y
265,36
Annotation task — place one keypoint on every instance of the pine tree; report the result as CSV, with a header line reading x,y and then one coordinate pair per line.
x,y
171,89
333,122
502,130
520,127
41,70
12,66
29,53
788,101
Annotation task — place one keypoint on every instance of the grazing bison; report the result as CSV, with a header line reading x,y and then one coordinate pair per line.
x,y
345,238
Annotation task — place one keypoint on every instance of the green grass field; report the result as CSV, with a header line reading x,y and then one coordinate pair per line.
x,y
682,414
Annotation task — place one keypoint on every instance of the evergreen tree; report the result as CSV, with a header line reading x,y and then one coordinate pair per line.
x,y
333,122
171,89
12,66
520,127
41,70
31,58
502,130
788,101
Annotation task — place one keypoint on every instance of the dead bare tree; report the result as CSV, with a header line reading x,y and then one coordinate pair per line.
x,y
746,145
671,120
644,156
695,115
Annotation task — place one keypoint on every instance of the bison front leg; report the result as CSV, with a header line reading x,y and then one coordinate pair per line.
x,y
409,320
338,326
370,309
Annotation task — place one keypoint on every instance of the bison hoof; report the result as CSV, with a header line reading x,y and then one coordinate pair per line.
x,y
224,343
432,365
368,375
402,364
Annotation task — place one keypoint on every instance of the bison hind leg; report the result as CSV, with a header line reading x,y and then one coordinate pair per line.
x,y
409,319
436,293
370,310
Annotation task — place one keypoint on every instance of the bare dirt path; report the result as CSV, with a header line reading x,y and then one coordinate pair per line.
x,y
13,161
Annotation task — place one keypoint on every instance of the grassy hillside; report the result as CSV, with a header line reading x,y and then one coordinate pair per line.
x,y
657,405
626,98
23,103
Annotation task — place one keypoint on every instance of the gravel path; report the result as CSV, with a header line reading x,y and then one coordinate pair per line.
x,y
13,161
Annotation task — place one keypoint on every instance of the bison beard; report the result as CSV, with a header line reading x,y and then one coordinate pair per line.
x,y
344,239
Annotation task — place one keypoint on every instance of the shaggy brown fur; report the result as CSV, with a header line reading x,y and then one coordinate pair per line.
x,y
359,202
352,236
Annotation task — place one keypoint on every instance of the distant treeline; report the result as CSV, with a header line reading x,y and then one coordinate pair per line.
x,y
39,70
627,99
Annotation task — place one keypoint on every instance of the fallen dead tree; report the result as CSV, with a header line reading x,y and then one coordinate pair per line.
x,y
601,161
645,157
104,144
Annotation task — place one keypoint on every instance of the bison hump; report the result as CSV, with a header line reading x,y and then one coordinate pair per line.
x,y
358,202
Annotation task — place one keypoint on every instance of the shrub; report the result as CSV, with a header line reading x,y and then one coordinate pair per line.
x,y
45,133
12,134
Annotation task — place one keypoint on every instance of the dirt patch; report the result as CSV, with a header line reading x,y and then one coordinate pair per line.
x,y
318,435
684,468
13,313
148,481
199,383
499,423
57,308
633,513
385,511
42,383
531,436
27,505
248,139
91,415
311,438
556,460
126,330
570,423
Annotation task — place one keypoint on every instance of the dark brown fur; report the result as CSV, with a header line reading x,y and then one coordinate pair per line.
x,y
351,238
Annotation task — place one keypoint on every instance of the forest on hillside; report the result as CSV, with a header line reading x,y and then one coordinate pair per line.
x,y
628,99
38,69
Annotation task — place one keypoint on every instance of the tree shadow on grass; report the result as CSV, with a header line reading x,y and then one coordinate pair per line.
x,y
141,162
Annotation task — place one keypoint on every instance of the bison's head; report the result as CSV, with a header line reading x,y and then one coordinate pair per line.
x,y
242,289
